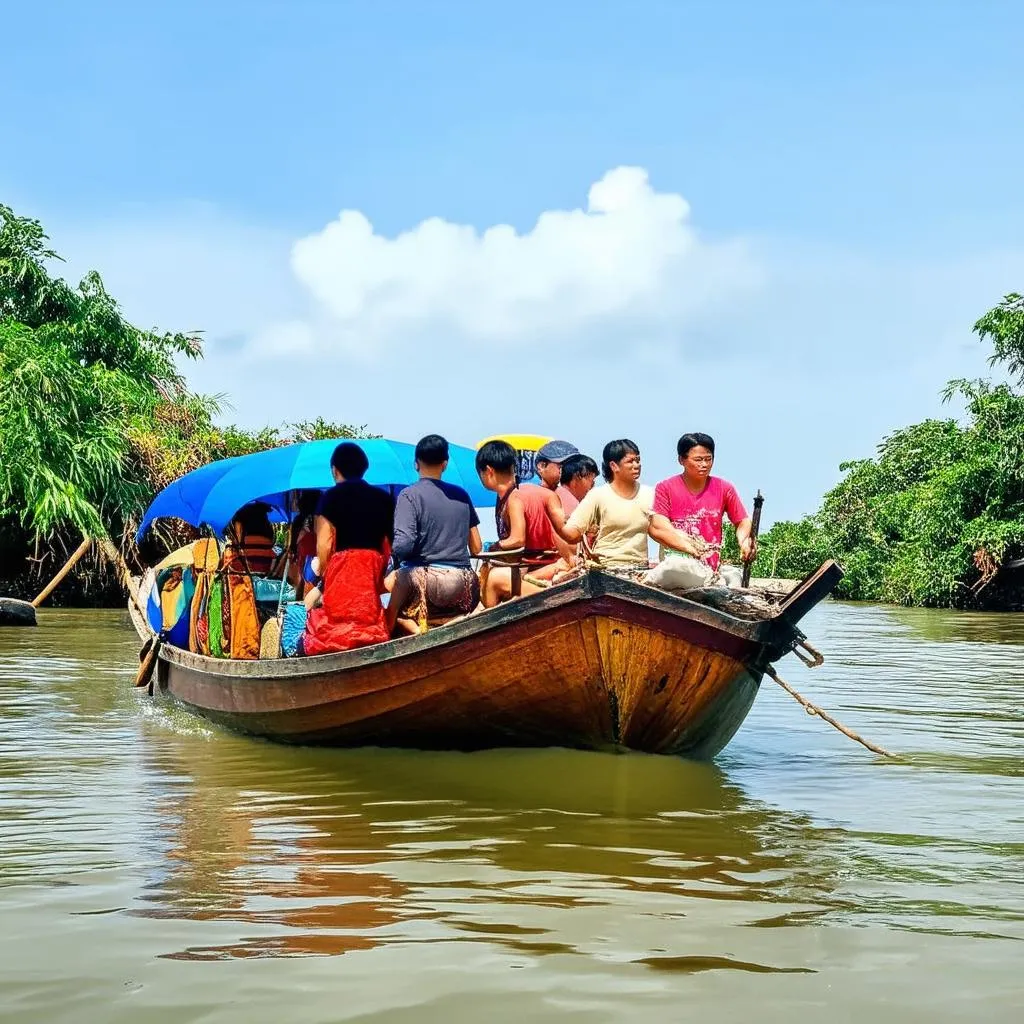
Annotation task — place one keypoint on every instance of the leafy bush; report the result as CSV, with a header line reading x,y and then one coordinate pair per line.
x,y
95,416
935,515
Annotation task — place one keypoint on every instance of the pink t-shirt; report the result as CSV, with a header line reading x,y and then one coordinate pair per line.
x,y
699,515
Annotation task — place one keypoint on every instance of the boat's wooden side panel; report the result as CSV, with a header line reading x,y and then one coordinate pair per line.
x,y
665,687
484,697
595,681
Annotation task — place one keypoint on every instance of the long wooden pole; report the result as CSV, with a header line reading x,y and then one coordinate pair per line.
x,y
755,526
111,552
68,566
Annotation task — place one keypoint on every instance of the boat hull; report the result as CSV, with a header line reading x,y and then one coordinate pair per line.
x,y
598,681
600,663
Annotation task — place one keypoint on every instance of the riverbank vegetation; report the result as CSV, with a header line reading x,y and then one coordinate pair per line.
x,y
95,416
937,514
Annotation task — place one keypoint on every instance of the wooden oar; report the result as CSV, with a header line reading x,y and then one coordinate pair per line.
x,y
148,656
755,526
68,566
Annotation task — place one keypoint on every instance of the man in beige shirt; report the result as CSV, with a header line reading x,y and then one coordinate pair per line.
x,y
620,514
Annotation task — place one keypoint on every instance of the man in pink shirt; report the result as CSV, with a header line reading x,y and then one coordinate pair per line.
x,y
695,501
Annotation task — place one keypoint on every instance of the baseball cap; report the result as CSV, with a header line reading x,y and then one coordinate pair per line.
x,y
556,451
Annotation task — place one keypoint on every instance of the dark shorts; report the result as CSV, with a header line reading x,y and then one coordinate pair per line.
x,y
439,592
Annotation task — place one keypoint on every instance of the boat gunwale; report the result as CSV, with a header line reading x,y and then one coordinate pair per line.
x,y
593,586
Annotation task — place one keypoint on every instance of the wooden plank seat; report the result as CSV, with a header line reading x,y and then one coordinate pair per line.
x,y
516,559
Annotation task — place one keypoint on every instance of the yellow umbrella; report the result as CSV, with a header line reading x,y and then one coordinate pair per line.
x,y
521,442
526,446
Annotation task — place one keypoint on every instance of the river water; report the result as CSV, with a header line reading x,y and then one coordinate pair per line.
x,y
153,868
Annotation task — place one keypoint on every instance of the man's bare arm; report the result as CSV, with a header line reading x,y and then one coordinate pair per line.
x,y
666,534
516,525
746,542
325,540
556,514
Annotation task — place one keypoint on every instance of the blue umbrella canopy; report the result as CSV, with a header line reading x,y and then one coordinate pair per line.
x,y
212,494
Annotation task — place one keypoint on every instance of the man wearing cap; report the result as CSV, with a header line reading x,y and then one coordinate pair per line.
x,y
548,463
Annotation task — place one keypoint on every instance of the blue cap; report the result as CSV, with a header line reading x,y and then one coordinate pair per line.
x,y
556,451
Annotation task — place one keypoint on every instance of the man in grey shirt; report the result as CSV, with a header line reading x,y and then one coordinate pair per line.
x,y
436,532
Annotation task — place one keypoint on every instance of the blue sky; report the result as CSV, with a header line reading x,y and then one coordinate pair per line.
x,y
851,173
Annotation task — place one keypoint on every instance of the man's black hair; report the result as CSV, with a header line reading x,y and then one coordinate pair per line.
x,y
499,455
688,441
350,461
616,451
432,450
577,466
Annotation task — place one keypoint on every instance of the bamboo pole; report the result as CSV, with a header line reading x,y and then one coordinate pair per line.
x,y
813,709
755,528
112,554
68,566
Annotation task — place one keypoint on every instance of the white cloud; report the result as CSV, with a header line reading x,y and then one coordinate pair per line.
x,y
632,256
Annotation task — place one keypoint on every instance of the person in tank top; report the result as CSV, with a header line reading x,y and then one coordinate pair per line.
x,y
522,520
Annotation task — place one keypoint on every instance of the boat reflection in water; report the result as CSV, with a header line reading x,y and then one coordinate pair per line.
x,y
316,852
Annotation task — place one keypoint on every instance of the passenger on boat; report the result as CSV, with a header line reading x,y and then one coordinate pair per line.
x,y
522,516
693,503
302,561
249,545
354,530
548,463
436,531
619,514
576,481
578,475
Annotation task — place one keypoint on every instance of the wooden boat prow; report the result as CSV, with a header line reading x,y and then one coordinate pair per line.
x,y
600,662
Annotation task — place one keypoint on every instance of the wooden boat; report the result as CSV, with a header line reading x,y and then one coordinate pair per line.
x,y
599,662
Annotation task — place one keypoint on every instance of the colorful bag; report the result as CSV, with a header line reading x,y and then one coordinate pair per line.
x,y
244,639
205,559
292,626
170,599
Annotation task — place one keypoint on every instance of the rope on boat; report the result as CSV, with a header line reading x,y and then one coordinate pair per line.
x,y
813,709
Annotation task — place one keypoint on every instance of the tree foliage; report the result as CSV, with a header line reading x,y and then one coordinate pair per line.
x,y
933,517
95,415
1003,326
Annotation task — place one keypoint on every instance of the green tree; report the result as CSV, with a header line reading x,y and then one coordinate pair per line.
x,y
1003,327
76,376
95,416
933,517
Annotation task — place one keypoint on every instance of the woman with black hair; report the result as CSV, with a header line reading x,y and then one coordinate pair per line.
x,y
249,541
302,562
619,514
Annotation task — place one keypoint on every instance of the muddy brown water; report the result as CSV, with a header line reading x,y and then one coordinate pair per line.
x,y
154,868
